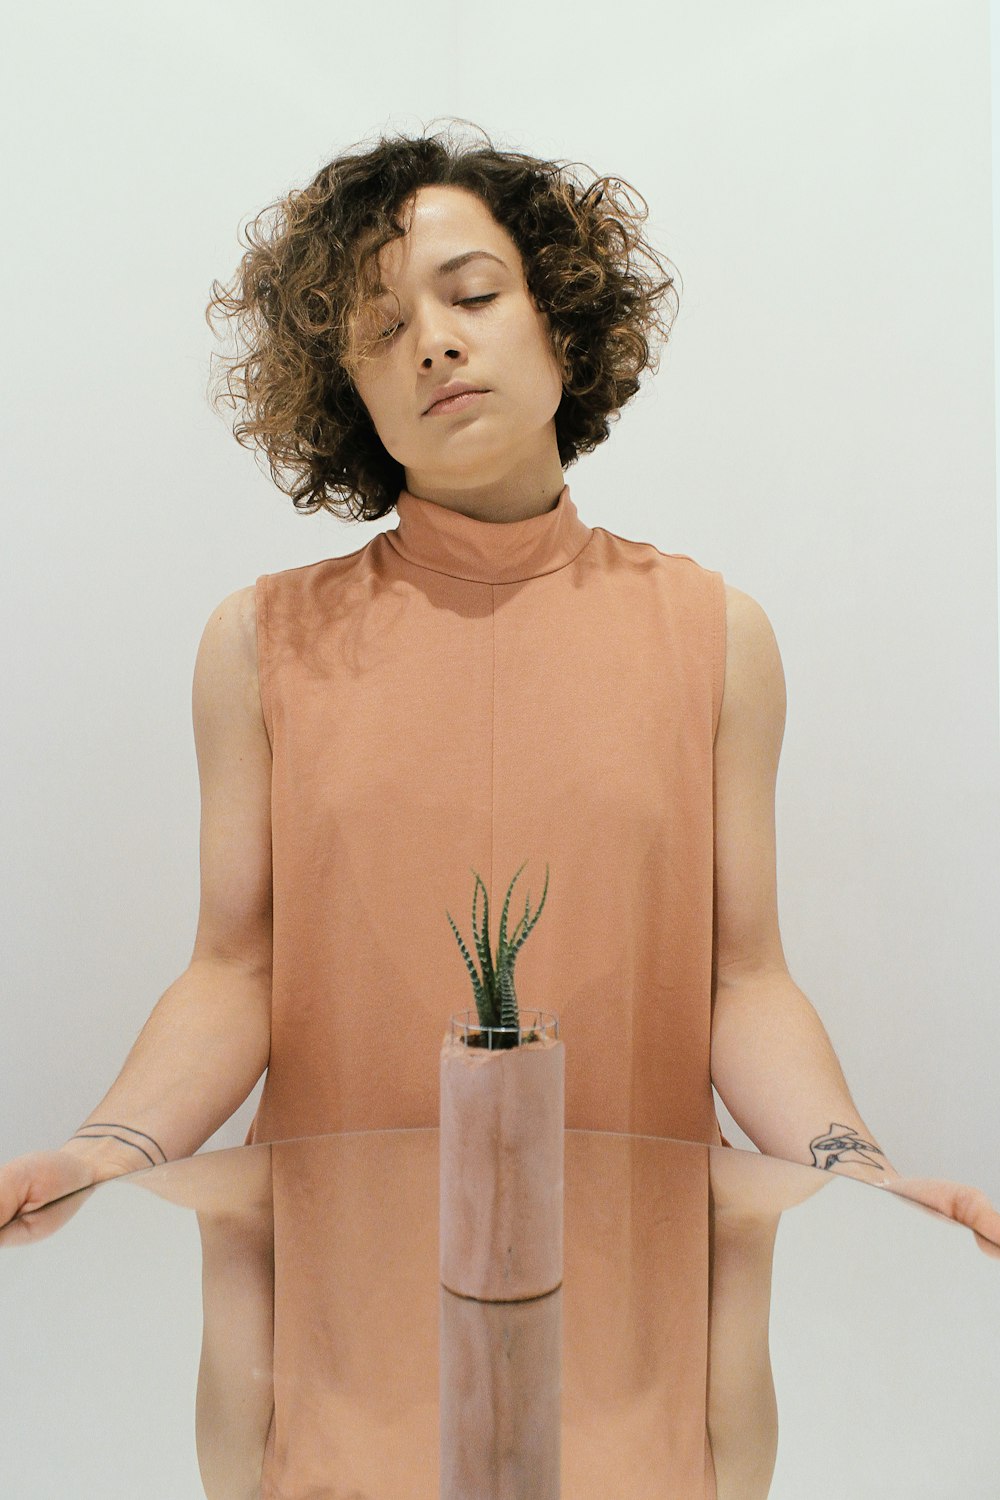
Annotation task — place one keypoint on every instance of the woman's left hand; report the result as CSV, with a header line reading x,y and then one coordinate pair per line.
x,y
957,1200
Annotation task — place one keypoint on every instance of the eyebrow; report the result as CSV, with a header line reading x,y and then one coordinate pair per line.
x,y
457,261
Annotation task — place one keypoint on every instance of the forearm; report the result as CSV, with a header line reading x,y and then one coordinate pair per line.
x,y
778,1075
194,1062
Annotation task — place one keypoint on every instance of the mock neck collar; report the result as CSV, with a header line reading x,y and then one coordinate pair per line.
x,y
432,536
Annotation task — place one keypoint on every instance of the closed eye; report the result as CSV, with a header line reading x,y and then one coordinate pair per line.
x,y
465,302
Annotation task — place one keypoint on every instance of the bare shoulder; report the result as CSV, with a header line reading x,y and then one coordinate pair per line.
x,y
227,657
739,604
754,673
246,608
243,602
234,768
746,620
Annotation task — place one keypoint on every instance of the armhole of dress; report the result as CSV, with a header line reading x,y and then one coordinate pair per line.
x,y
718,647
263,655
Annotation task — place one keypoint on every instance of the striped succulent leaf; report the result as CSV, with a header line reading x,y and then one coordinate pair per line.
x,y
495,996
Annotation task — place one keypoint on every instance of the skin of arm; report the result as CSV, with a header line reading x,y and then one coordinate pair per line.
x,y
772,1060
207,1041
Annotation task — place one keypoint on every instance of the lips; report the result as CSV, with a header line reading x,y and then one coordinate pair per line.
x,y
460,402
457,388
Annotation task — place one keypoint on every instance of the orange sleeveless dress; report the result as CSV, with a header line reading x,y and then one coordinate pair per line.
x,y
464,695
461,695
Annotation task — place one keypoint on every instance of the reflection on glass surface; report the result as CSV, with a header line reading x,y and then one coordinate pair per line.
x,y
268,1322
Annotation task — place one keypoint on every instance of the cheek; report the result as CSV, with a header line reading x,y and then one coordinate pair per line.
x,y
376,397
546,357
545,385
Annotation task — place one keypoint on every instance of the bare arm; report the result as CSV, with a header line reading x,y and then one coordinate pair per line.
x,y
207,1039
772,1060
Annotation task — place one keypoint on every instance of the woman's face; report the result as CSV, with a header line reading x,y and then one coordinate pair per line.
x,y
441,332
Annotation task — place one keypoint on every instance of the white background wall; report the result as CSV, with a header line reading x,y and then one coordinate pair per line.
x,y
822,430
995,185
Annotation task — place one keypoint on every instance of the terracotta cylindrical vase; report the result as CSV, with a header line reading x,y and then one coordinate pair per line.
x,y
501,1157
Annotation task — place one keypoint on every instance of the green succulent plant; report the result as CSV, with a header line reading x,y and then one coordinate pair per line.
x,y
496,1001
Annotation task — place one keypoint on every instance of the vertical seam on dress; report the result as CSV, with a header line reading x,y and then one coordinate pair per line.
x,y
493,738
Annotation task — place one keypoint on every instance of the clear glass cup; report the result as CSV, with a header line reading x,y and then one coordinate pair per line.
x,y
465,1026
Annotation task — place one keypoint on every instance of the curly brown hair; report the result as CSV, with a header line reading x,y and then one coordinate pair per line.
x,y
300,288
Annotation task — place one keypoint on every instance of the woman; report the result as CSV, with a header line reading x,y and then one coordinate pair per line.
x,y
442,333
491,682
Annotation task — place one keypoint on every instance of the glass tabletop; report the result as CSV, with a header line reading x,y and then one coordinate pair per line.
x,y
269,1321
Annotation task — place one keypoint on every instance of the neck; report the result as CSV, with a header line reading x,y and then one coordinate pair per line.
x,y
511,499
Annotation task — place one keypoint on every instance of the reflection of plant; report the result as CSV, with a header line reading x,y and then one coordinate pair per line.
x,y
496,1001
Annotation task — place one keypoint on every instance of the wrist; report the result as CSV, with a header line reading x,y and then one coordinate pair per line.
x,y
108,1156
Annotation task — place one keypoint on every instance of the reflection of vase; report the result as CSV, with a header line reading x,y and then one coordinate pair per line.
x,y
501,1148
501,1385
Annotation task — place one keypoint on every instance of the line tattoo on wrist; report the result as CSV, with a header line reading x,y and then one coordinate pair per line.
x,y
94,1131
843,1143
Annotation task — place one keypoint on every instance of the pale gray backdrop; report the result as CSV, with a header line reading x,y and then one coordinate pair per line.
x,y
822,430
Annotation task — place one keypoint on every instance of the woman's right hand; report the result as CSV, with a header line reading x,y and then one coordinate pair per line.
x,y
29,1182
